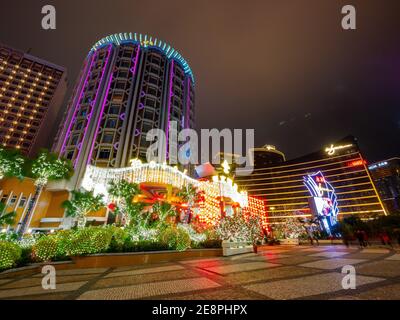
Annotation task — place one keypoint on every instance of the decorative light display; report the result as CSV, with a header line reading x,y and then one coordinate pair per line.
x,y
145,41
212,193
324,200
256,207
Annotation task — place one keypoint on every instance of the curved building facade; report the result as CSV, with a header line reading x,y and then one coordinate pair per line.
x,y
341,164
129,84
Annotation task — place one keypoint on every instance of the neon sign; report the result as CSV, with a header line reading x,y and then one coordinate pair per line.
x,y
332,149
324,200
356,163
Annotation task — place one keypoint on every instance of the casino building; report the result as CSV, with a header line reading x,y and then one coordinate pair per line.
x,y
282,185
129,84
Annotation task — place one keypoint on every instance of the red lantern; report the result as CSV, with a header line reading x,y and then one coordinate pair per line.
x,y
112,206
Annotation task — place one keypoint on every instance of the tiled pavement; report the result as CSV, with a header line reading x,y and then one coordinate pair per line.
x,y
281,272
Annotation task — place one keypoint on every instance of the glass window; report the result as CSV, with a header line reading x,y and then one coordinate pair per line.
x,y
104,154
22,202
13,200
108,138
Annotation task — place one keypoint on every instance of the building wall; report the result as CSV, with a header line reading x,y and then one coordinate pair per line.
x,y
31,94
48,204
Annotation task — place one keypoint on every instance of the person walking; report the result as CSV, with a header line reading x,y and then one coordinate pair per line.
x,y
360,238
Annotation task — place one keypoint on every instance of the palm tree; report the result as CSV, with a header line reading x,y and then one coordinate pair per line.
x,y
163,210
82,203
6,218
11,163
46,167
125,193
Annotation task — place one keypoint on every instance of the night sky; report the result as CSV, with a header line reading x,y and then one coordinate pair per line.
x,y
285,68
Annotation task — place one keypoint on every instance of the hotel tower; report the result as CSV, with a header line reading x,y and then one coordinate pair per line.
x,y
31,94
129,84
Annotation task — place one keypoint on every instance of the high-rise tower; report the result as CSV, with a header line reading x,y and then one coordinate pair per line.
x,y
31,94
129,84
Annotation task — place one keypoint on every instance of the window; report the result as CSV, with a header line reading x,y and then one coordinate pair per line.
x,y
114,109
74,139
104,154
70,154
4,198
107,138
111,123
13,200
22,202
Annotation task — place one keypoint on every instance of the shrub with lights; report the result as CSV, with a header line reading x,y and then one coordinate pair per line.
x,y
10,253
176,238
89,240
45,248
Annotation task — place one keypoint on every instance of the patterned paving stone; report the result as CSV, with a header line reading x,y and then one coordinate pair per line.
x,y
293,260
37,281
315,249
242,256
328,254
389,292
219,294
268,274
396,256
76,272
149,289
330,264
143,266
360,255
143,278
383,268
268,257
305,286
49,296
274,251
241,267
6,293
375,250
194,261
144,271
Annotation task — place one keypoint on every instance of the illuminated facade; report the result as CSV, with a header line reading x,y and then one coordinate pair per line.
x,y
386,176
129,84
31,94
342,164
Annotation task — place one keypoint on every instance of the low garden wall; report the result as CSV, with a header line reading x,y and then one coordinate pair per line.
x,y
138,258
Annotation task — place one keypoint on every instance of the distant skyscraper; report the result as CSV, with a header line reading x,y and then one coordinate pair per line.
x,y
31,94
129,84
386,175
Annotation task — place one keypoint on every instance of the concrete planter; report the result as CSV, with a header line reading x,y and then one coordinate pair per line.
x,y
233,248
138,258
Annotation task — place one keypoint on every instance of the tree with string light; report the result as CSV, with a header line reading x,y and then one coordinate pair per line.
x,y
125,192
6,218
46,167
81,204
11,163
